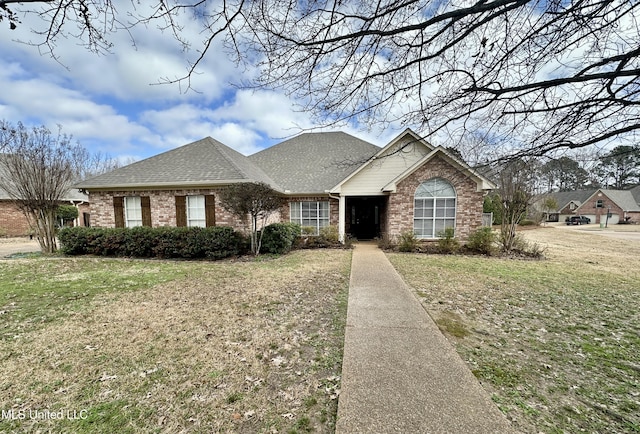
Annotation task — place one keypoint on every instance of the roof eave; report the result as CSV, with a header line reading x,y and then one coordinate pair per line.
x,y
162,185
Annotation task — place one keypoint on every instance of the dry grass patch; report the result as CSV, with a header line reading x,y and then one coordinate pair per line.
x,y
556,341
250,346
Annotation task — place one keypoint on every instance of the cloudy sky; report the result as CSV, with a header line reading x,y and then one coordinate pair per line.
x,y
112,103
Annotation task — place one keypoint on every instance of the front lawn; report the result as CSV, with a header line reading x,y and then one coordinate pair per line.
x,y
555,342
162,346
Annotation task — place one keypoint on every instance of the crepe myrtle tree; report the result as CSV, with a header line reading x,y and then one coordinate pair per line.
x,y
532,76
254,200
514,195
37,168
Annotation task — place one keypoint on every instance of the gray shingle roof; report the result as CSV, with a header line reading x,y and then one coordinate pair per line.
x,y
623,198
204,162
314,162
578,196
635,191
71,195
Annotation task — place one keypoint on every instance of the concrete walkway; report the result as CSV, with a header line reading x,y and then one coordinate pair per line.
x,y
399,372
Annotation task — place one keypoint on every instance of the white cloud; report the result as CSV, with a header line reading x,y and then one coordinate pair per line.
x,y
238,137
266,111
108,104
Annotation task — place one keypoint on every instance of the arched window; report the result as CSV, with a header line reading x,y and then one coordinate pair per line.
x,y
434,208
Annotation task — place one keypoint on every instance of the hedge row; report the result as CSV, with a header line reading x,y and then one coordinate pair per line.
x,y
143,242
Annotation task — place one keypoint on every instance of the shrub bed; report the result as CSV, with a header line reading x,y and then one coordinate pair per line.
x,y
279,238
143,242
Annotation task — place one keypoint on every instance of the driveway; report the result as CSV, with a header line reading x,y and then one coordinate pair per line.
x,y
620,232
10,246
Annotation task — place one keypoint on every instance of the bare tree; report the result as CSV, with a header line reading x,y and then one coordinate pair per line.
x,y
536,75
36,170
255,200
514,188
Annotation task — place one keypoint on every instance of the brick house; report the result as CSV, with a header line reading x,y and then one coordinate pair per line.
x,y
328,178
13,223
596,204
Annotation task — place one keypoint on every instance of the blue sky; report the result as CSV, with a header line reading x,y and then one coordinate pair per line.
x,y
112,103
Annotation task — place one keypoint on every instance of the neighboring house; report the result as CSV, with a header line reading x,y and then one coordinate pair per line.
x,y
328,179
13,223
599,205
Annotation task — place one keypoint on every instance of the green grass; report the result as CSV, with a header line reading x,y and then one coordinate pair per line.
x,y
37,291
174,346
555,342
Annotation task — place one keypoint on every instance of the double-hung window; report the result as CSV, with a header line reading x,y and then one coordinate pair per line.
x,y
196,215
434,208
132,211
310,214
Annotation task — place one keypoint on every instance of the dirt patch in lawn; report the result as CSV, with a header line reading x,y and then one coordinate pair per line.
x,y
230,347
555,342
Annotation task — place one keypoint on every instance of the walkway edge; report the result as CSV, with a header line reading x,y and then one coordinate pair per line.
x,y
399,373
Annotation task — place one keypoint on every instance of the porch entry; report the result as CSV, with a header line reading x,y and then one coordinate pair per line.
x,y
366,216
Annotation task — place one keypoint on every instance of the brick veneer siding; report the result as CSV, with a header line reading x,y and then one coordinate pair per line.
x,y
12,221
163,207
468,203
14,224
589,208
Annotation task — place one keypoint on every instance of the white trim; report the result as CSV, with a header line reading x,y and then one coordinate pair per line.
x,y
342,227
318,218
202,219
434,218
133,207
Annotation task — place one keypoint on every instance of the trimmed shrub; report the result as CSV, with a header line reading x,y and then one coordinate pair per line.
x,y
330,235
75,241
482,241
526,248
278,238
448,244
386,242
222,242
407,242
144,242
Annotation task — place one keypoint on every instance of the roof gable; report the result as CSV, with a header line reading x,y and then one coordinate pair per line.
x,y
203,162
622,198
402,156
481,182
398,155
565,198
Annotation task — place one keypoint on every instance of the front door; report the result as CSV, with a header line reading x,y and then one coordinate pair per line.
x,y
364,217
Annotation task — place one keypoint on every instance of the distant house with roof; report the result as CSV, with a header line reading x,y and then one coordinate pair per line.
x,y
330,178
599,205
13,223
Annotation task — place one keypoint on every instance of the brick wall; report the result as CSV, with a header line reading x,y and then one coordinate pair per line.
x,y
14,224
589,208
163,207
468,205
12,221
